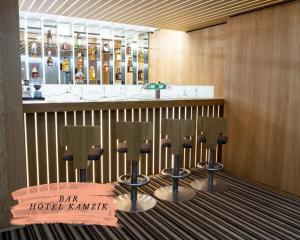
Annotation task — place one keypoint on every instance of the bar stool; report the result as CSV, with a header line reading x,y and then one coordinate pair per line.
x,y
135,134
81,139
212,134
177,130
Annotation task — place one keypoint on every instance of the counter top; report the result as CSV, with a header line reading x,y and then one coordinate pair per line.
x,y
107,103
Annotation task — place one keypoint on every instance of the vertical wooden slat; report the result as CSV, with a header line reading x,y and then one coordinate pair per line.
x,y
106,156
159,141
102,145
61,149
195,155
51,146
189,115
113,145
121,156
96,122
71,172
42,148
144,157
31,149
163,150
26,150
125,155
47,147
36,143
87,117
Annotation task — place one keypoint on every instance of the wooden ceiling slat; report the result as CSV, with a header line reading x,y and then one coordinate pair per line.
x,y
191,12
226,12
144,11
102,6
117,8
127,11
192,27
184,15
62,6
161,10
212,12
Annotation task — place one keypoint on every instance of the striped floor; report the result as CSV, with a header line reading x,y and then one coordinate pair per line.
x,y
246,211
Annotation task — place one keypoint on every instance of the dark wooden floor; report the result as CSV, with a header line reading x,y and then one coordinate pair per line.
x,y
246,211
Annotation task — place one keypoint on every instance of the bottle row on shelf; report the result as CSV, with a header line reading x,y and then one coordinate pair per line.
x,y
52,54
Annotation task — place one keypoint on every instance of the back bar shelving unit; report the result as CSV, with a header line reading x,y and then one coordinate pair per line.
x,y
51,51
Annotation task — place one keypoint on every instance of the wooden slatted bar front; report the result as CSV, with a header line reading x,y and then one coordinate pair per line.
x,y
42,121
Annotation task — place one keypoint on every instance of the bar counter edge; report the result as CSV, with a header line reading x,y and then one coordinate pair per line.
x,y
54,106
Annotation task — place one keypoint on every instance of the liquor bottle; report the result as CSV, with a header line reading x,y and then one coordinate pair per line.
x,y
65,65
128,49
92,73
79,61
33,49
79,77
141,56
65,46
49,38
105,47
119,74
118,55
34,72
79,42
130,65
105,66
140,76
49,59
92,53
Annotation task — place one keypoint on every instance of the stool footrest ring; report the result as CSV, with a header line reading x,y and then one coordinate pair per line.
x,y
126,180
216,167
183,173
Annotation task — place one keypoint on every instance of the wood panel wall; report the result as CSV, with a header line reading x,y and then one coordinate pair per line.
x,y
262,91
12,150
254,62
182,58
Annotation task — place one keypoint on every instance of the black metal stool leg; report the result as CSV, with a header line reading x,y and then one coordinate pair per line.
x,y
133,189
210,184
219,153
176,172
175,193
82,175
210,177
134,202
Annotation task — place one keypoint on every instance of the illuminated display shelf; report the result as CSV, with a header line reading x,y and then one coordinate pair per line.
x,y
98,64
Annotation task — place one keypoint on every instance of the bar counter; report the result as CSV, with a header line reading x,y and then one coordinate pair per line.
x,y
42,121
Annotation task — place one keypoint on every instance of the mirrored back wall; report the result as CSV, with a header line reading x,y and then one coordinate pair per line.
x,y
74,52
